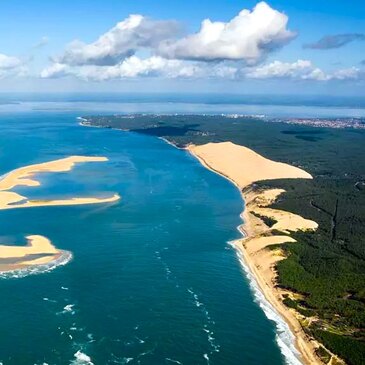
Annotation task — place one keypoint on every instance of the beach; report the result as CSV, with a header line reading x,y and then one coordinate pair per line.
x,y
38,251
243,167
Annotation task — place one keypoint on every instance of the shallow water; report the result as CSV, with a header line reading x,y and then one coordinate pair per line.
x,y
153,279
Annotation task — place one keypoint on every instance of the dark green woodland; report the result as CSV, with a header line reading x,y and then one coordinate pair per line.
x,y
327,267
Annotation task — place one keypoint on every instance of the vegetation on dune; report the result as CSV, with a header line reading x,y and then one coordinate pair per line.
x,y
327,266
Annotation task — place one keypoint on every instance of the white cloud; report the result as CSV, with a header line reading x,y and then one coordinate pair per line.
x,y
133,67
11,66
351,73
9,62
130,68
156,66
300,70
249,36
234,49
278,69
122,41
54,71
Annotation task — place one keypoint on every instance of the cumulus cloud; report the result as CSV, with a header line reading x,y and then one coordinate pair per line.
x,y
249,36
122,41
278,69
11,66
335,41
352,73
235,49
156,66
131,67
54,71
301,70
9,62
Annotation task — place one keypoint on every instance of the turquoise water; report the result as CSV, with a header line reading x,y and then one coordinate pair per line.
x,y
152,279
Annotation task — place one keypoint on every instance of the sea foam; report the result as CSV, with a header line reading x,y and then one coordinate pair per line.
x,y
81,359
284,337
63,259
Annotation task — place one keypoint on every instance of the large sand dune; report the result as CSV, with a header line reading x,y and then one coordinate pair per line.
x,y
244,167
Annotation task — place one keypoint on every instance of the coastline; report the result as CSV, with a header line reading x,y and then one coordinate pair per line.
x,y
295,345
253,229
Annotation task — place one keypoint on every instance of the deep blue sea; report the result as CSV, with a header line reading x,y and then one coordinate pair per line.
x,y
153,279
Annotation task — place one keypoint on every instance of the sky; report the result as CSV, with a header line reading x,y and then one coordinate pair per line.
x,y
230,46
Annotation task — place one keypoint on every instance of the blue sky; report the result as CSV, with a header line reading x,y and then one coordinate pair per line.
x,y
312,46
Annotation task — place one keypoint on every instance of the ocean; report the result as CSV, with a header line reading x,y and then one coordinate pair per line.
x,y
152,279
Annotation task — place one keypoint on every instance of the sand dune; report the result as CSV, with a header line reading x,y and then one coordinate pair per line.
x,y
244,167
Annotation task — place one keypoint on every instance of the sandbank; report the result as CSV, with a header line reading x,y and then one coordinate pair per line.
x,y
38,251
24,175
11,200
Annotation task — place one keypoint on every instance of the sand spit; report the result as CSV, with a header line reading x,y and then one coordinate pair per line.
x,y
39,254
244,167
9,201
38,251
25,176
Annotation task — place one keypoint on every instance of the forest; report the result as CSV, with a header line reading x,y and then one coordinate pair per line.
x,y
326,267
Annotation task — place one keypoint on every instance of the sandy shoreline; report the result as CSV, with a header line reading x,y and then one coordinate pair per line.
x,y
39,251
243,167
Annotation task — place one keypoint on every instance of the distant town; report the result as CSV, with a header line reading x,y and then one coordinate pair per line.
x,y
340,123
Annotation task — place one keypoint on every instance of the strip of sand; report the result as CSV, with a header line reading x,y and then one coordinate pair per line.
x,y
244,167
38,251
8,200
25,176
36,245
